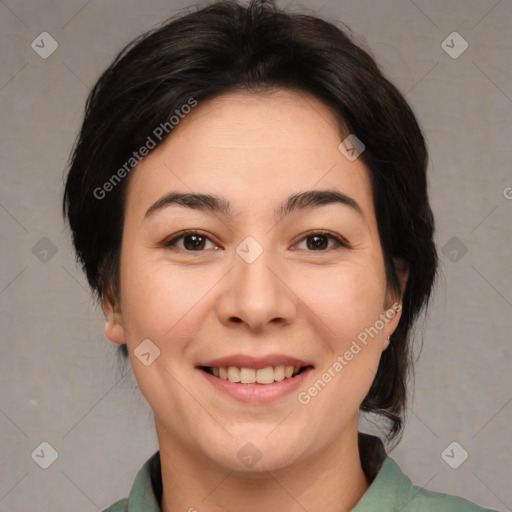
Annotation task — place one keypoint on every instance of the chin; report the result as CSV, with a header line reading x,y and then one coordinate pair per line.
x,y
256,455
267,463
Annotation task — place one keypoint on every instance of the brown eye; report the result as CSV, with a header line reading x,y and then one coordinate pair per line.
x,y
196,241
193,241
319,241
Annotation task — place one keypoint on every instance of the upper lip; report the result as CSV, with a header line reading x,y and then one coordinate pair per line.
x,y
247,361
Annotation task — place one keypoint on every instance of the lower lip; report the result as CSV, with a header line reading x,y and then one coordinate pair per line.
x,y
257,393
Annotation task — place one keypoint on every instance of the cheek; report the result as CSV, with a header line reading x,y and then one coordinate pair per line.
x,y
161,301
343,310
344,306
345,300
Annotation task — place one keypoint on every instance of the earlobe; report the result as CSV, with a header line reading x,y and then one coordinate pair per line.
x,y
114,329
393,315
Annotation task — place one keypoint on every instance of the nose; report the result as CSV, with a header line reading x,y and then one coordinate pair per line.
x,y
257,294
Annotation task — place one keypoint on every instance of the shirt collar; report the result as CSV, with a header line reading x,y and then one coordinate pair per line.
x,y
389,489
142,496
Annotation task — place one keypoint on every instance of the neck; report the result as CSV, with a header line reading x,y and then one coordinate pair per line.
x,y
331,480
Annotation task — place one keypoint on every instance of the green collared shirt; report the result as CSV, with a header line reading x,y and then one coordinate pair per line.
x,y
390,491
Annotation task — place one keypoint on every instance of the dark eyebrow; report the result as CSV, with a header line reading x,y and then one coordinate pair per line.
x,y
219,205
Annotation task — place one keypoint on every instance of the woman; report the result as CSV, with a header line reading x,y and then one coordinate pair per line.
x,y
248,199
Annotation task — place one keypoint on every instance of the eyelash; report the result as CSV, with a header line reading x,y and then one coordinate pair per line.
x,y
342,244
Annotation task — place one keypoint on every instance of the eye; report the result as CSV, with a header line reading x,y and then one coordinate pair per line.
x,y
320,241
193,241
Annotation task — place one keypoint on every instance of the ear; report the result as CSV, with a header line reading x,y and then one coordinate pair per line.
x,y
114,329
393,306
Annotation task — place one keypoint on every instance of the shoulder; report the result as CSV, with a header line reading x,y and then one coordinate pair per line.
x,y
391,489
412,498
424,500
145,492
118,506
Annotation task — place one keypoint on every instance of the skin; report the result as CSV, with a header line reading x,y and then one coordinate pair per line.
x,y
254,149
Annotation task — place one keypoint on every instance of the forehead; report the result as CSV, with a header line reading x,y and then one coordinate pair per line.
x,y
255,148
279,122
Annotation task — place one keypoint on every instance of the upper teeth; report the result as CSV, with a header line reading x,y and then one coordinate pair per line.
x,y
251,375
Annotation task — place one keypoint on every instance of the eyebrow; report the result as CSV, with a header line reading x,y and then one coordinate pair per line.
x,y
219,205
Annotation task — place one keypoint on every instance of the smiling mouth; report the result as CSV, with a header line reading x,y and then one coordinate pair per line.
x,y
267,375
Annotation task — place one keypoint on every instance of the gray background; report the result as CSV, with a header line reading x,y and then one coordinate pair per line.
x,y
60,379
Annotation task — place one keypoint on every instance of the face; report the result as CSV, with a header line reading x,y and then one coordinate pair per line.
x,y
261,278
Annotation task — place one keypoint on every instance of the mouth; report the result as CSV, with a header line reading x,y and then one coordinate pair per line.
x,y
250,375
256,380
